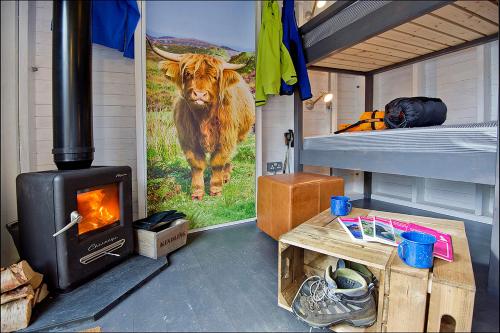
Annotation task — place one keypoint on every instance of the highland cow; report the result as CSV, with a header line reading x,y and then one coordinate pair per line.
x,y
213,113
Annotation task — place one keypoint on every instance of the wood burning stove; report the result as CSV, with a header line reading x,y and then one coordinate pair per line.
x,y
76,221
96,205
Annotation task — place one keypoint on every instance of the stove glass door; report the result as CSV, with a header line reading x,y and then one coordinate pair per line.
x,y
99,207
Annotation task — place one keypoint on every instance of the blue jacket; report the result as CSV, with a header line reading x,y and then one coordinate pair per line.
x,y
293,42
113,24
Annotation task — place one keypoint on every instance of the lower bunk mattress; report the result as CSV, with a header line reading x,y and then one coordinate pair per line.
x,y
466,138
465,153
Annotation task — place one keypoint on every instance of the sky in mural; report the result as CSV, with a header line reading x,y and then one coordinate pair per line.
x,y
164,17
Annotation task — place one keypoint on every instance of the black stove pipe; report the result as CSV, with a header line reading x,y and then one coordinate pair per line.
x,y
72,84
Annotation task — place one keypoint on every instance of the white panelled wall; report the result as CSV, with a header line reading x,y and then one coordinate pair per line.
x,y
114,101
347,104
8,127
467,81
277,118
319,120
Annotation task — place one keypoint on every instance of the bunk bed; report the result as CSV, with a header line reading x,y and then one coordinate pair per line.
x,y
370,37
412,151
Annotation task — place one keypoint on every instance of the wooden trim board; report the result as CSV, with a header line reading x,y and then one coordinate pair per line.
x,y
447,26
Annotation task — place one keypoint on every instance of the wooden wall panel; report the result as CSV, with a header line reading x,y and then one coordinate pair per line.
x,y
456,79
426,33
277,118
486,9
412,40
390,85
350,98
359,59
398,45
394,185
372,55
113,84
494,81
447,26
466,19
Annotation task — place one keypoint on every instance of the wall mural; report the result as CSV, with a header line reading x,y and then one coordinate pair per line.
x,y
200,81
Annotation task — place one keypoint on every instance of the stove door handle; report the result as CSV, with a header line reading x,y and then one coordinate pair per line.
x,y
75,219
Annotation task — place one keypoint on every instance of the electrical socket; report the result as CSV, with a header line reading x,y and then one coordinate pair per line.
x,y
274,167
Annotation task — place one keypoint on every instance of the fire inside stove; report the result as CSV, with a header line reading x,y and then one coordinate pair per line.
x,y
99,207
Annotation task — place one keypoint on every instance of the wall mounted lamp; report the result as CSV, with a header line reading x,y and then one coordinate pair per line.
x,y
327,98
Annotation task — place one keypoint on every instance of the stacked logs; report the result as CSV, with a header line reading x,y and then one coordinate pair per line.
x,y
21,289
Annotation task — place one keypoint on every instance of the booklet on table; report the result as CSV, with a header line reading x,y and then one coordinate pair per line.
x,y
388,231
353,228
367,228
384,232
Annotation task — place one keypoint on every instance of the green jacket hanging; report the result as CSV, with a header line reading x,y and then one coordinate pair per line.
x,y
273,60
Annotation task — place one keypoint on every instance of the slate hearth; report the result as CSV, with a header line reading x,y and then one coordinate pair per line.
x,y
92,300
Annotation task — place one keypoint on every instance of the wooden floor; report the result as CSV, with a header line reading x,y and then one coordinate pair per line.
x,y
226,280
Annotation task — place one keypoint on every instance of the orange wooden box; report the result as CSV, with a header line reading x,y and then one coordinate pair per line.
x,y
285,201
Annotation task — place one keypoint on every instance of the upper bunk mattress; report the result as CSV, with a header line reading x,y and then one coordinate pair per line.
x,y
466,138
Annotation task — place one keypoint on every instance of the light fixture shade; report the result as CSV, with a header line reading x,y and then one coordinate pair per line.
x,y
328,98
321,4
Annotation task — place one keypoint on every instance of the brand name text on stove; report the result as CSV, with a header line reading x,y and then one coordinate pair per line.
x,y
94,246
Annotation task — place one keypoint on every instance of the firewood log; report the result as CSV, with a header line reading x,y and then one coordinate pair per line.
x,y
16,315
19,292
40,294
17,275
36,280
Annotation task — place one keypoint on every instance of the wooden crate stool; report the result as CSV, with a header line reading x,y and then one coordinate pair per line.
x,y
408,299
285,201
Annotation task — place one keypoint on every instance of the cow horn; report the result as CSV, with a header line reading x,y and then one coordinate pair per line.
x,y
164,54
233,66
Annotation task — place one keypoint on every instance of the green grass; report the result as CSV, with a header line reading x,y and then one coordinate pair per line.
x,y
169,178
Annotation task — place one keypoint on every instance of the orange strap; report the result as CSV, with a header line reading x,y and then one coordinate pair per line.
x,y
364,121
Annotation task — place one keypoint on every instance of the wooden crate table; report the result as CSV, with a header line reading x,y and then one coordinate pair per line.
x,y
409,299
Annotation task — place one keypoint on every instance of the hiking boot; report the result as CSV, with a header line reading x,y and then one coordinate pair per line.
x,y
360,268
330,282
342,296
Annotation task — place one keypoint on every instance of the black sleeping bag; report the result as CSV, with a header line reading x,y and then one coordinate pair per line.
x,y
414,112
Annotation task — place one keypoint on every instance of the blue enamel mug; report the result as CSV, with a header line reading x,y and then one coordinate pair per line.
x,y
340,205
416,249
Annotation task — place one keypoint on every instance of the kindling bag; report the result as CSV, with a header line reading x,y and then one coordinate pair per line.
x,y
368,121
414,112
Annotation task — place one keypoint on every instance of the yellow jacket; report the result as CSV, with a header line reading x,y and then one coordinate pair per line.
x,y
273,60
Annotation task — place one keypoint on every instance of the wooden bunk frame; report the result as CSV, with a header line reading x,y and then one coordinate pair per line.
x,y
390,35
372,41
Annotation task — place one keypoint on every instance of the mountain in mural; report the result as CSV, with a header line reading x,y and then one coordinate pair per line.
x,y
179,45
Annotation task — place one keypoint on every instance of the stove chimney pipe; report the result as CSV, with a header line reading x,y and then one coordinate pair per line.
x,y
72,84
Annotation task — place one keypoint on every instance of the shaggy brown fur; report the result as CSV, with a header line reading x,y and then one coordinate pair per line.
x,y
214,112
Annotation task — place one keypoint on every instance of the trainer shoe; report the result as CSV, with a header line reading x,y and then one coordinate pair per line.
x,y
342,296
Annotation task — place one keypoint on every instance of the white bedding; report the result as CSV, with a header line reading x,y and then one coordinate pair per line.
x,y
480,137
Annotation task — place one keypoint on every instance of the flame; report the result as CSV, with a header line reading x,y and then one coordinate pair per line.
x,y
98,208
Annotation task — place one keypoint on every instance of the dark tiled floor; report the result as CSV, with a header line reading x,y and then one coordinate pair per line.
x,y
223,280
226,280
